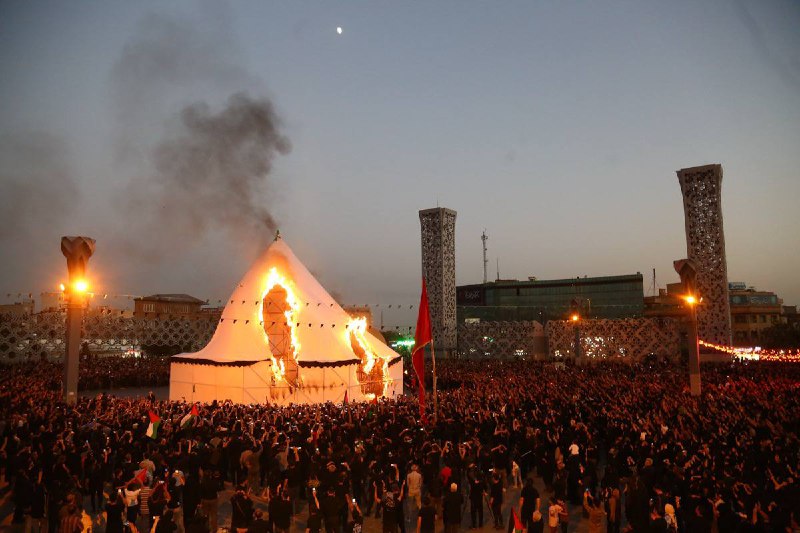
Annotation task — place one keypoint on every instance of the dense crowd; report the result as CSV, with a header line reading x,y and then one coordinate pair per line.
x,y
99,373
625,443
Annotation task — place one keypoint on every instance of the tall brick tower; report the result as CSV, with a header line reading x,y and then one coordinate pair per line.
x,y
705,245
439,269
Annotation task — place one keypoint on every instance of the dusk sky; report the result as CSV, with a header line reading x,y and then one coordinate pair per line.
x,y
556,126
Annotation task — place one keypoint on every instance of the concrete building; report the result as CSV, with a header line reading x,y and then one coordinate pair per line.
x,y
543,300
18,308
168,306
438,236
753,311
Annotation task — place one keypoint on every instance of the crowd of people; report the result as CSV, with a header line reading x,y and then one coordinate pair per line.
x,y
625,443
101,372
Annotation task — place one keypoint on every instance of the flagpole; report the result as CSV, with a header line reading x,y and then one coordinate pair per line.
x,y
435,395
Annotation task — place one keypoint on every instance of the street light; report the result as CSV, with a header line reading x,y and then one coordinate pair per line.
x,y
687,270
77,251
694,345
576,321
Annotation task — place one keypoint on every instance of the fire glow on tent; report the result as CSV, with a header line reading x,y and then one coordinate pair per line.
x,y
264,349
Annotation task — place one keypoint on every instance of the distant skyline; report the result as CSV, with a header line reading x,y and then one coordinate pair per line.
x,y
557,127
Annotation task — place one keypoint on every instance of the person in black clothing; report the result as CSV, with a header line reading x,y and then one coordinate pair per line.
x,y
241,510
426,520
260,525
114,510
452,510
330,507
356,525
390,509
282,519
314,522
477,490
529,501
496,500
23,496
166,523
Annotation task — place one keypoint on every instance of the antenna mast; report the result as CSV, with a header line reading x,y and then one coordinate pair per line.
x,y
484,238
498,269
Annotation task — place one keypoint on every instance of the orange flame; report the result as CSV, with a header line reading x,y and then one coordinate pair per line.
x,y
275,279
373,368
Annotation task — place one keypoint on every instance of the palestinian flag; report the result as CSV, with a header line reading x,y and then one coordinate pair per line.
x,y
515,524
155,422
190,418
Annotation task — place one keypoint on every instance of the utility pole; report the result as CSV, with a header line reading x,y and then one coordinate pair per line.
x,y
484,238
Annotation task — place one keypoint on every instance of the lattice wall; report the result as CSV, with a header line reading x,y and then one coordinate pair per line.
x,y
631,338
705,245
501,339
439,268
42,335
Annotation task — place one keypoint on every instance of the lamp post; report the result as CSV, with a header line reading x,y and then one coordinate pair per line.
x,y
687,270
694,346
576,324
77,250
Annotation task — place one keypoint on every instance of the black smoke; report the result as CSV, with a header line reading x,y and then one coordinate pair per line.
x,y
196,136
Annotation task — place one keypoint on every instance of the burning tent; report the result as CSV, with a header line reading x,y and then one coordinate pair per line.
x,y
283,339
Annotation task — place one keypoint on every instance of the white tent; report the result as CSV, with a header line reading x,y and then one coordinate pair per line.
x,y
283,339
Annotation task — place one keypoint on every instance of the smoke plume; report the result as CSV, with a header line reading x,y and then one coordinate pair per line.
x,y
38,191
210,167
214,169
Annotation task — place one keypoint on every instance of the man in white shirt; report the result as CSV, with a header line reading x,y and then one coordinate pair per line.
x,y
414,484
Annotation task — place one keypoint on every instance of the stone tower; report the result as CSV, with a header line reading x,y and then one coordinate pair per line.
x,y
439,269
701,188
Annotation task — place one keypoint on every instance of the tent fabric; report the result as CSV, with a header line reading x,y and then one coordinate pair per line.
x,y
240,334
197,382
238,354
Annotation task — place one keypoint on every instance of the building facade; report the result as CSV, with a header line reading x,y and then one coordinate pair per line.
x,y
544,300
753,311
701,188
438,236
168,306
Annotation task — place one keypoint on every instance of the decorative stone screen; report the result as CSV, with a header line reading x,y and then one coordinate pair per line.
x,y
438,228
501,339
705,245
631,338
42,335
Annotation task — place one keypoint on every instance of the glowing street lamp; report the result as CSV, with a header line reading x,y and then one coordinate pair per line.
x,y
80,286
576,322
687,270
77,250
694,345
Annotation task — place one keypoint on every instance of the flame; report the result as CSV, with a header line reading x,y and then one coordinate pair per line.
x,y
273,279
372,367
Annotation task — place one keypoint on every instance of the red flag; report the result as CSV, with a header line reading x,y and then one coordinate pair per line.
x,y
514,524
422,336
141,476
345,398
